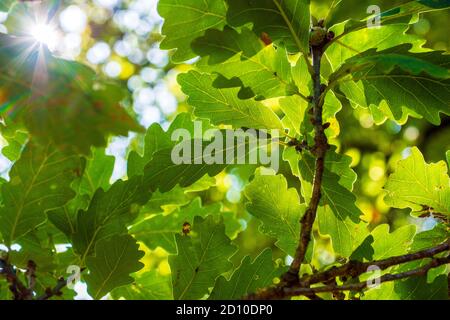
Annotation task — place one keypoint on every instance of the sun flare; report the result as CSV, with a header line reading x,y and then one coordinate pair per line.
x,y
45,34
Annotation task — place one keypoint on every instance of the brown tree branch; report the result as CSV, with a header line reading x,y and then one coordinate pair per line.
x,y
291,284
18,289
356,268
55,291
352,269
436,262
31,274
320,148
22,292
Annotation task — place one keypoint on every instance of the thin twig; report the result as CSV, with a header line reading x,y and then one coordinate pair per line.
x,y
31,274
436,262
55,291
320,148
350,269
18,289
355,268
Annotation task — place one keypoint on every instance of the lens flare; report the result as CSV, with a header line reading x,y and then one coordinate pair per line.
x,y
45,34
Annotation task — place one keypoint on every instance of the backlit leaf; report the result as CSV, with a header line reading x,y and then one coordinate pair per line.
x,y
202,257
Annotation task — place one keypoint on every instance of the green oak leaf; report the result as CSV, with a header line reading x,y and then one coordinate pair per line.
x,y
346,235
263,69
286,22
65,92
39,181
166,201
278,207
35,246
424,240
364,250
163,173
108,214
186,20
202,257
423,187
65,218
5,293
294,109
16,137
97,174
396,243
419,82
414,288
160,230
381,38
430,238
5,5
155,140
247,278
404,13
222,106
147,286
115,258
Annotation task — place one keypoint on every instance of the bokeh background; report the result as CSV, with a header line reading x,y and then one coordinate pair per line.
x,y
120,40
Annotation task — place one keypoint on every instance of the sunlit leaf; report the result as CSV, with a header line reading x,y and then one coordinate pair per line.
x,y
160,230
186,20
222,106
43,92
417,81
285,22
278,208
423,187
148,286
40,181
248,278
265,70
202,257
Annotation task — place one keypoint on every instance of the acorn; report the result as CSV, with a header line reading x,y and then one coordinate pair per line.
x,y
317,36
330,35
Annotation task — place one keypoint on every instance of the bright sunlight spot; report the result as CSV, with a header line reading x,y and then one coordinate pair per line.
x,y
45,34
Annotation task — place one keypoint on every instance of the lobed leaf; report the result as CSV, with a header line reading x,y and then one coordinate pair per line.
x,y
40,181
285,22
405,13
202,257
265,70
161,230
42,92
115,258
419,82
247,278
186,20
420,186
278,208
222,106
